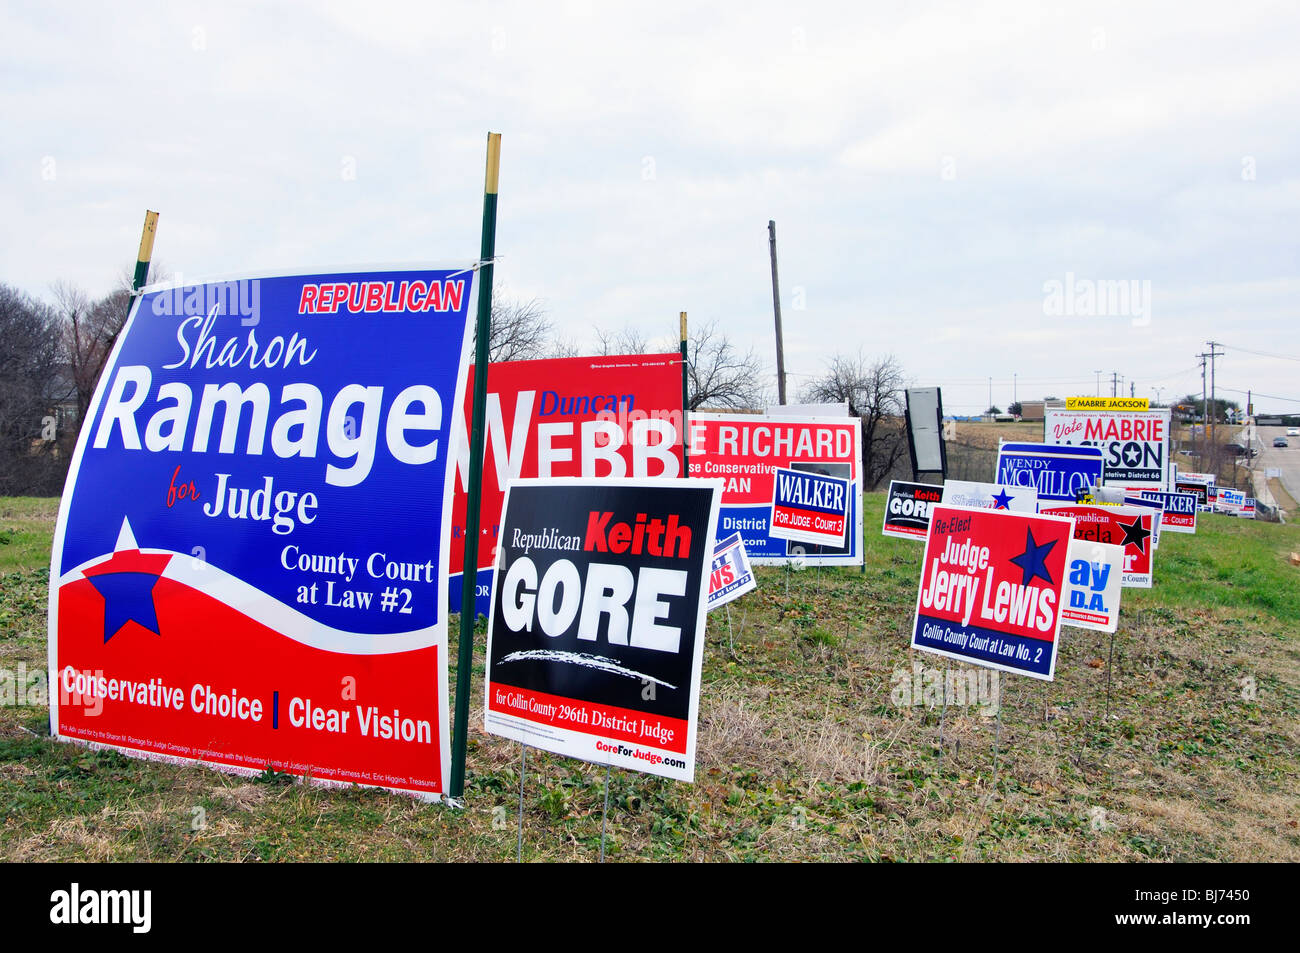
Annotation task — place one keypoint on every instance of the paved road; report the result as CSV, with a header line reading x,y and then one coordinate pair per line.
x,y
1287,460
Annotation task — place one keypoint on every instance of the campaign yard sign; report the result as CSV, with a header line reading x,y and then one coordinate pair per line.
x,y
1247,510
1179,510
729,575
249,561
1094,586
1211,498
1057,472
809,508
1196,483
991,588
596,635
745,451
907,509
1134,444
1157,514
1228,500
582,417
990,496
1128,527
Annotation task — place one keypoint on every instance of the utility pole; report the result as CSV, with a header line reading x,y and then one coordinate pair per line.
x,y
990,393
1214,400
1098,373
1114,384
1132,388
776,306
1205,419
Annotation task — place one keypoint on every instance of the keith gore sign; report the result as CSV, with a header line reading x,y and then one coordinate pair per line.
x,y
597,629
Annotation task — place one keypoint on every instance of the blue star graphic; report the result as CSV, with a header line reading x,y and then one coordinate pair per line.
x,y
1032,561
1002,500
128,597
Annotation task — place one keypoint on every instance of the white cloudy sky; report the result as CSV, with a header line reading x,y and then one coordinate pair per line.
x,y
931,167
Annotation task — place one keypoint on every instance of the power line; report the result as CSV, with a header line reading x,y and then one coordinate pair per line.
x,y
1280,357
1289,400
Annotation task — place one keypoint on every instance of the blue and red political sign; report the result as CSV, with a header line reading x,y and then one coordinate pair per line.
x,y
809,507
1179,510
1228,500
991,588
596,635
250,558
730,575
1057,472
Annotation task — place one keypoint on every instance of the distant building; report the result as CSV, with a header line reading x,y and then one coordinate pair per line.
x,y
1032,409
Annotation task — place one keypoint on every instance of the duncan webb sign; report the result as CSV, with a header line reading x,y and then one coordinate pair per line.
x,y
597,629
237,577
582,416
991,586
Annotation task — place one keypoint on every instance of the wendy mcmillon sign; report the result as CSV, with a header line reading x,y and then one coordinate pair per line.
x,y
1056,472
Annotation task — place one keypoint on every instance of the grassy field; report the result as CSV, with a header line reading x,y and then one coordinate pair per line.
x,y
811,747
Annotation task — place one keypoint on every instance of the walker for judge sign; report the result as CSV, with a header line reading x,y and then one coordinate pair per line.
x,y
248,567
597,628
745,450
991,584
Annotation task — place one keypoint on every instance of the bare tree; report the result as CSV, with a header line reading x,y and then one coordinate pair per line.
x,y
628,341
31,392
719,375
89,331
874,392
520,329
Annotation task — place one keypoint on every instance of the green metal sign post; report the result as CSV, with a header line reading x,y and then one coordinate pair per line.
x,y
482,332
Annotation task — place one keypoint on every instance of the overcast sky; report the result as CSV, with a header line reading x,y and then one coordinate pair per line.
x,y
933,169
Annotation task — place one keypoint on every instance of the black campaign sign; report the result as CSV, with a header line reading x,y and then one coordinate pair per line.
x,y
595,641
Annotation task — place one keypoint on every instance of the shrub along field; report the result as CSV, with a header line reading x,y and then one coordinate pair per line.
x,y
822,737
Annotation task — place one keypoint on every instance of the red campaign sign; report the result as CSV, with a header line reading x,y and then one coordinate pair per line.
x,y
259,699
565,417
991,588
1131,527
745,450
